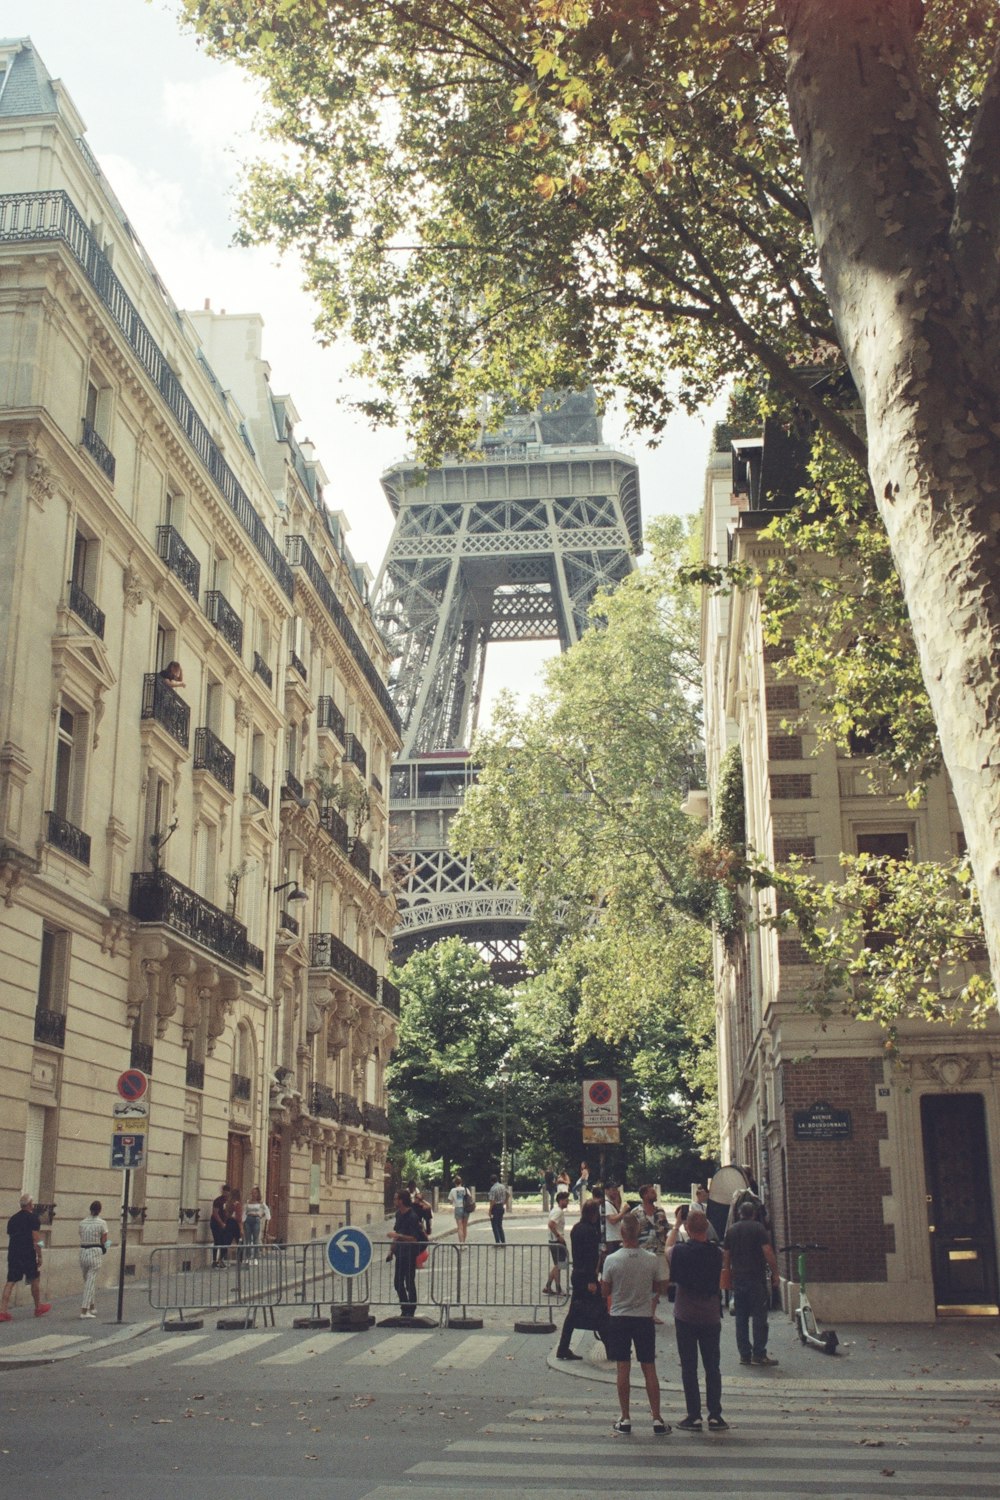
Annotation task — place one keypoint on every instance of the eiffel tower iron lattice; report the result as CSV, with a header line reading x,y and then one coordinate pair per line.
x,y
512,546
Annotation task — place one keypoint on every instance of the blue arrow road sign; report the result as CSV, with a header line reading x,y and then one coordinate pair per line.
x,y
349,1251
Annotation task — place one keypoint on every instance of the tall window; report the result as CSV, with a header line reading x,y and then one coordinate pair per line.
x,y
53,976
85,556
71,740
213,706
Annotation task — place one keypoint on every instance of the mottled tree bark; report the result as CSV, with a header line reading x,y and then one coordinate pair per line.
x,y
910,263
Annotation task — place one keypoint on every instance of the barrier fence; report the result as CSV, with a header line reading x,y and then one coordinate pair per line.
x,y
457,1281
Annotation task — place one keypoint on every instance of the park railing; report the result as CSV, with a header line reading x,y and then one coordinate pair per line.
x,y
456,1283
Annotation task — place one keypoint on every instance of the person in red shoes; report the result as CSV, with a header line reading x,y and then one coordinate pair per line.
x,y
24,1257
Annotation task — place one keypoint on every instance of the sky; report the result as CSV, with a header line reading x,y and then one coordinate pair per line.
x,y
170,127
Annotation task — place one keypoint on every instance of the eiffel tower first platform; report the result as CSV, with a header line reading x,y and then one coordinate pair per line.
x,y
510,547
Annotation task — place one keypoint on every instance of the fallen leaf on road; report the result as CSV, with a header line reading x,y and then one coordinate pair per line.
x,y
888,1473
872,1443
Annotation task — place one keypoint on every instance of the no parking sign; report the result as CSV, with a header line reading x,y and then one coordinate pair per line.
x,y
601,1111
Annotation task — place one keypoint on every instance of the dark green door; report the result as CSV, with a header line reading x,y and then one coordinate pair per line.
x,y
959,1204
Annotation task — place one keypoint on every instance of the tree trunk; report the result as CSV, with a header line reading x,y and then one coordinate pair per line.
x,y
909,263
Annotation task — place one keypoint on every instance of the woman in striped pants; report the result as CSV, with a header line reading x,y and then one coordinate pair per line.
x,y
93,1246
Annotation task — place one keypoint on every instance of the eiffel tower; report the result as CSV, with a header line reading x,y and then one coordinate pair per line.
x,y
512,546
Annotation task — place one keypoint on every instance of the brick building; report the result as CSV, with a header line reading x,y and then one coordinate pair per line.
x,y
887,1161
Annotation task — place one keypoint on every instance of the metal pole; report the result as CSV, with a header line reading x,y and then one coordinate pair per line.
x,y
503,1146
121,1258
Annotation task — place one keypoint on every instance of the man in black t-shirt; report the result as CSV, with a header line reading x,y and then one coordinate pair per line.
x,y
695,1269
24,1257
407,1235
750,1269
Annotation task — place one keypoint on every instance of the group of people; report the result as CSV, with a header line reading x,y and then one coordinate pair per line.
x,y
234,1222
24,1257
625,1257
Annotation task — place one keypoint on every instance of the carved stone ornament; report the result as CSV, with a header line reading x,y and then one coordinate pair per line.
x,y
951,1069
148,955
40,480
8,458
243,715
132,589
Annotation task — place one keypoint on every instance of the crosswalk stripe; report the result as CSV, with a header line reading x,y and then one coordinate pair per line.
x,y
146,1352
471,1352
806,1478
311,1348
247,1343
389,1350
45,1345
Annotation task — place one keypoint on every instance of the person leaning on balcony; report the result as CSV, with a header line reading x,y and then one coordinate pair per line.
x,y
173,674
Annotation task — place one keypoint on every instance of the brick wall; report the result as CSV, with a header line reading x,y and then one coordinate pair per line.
x,y
802,848
783,695
784,746
835,1188
785,787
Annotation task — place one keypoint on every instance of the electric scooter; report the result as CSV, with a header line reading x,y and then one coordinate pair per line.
x,y
805,1318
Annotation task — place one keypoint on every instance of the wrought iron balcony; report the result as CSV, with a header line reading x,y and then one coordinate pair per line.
x,y
179,558
211,755
255,958
84,607
298,665
354,753
292,787
361,857
225,619
388,995
194,1074
157,897
259,790
50,1027
336,826
98,450
288,922
327,952
375,1119
323,1102
349,1110
240,1087
160,702
329,716
262,670
72,841
141,1057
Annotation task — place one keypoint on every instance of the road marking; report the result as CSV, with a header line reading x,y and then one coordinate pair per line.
x,y
471,1352
247,1343
48,1344
389,1350
310,1348
146,1352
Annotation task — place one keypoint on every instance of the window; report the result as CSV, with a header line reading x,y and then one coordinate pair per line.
x,y
157,821
85,554
71,740
894,845
97,407
213,706
38,1175
207,848
53,974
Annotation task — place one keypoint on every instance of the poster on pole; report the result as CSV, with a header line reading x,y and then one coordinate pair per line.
x,y
601,1112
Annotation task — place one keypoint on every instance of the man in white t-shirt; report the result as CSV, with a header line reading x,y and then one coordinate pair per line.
x,y
557,1244
630,1277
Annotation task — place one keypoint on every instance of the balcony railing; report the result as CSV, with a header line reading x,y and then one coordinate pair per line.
x,y
348,1110
98,450
84,607
160,702
292,786
361,857
50,1027
141,1057
72,841
329,716
259,790
300,555
179,558
225,619
375,1119
327,952
336,826
298,665
255,958
388,995
49,215
194,1074
262,670
240,1087
354,753
288,922
211,755
323,1102
157,897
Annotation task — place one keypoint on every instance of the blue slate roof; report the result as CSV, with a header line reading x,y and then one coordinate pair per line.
x,y
26,87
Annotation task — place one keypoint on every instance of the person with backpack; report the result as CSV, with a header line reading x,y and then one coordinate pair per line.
x,y
695,1270
462,1202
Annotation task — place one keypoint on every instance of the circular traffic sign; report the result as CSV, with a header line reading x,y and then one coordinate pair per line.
x,y
349,1251
600,1092
132,1084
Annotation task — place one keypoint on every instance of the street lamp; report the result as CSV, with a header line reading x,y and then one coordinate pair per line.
x,y
504,1076
295,894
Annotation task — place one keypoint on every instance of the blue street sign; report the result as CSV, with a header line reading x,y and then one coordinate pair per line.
x,y
128,1151
349,1251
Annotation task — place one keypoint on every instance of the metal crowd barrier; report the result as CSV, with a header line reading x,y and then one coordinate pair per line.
x,y
456,1280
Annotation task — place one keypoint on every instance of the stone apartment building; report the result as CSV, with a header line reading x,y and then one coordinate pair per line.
x,y
889,1163
191,867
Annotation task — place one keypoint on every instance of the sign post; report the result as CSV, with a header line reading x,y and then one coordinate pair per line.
x,y
129,1121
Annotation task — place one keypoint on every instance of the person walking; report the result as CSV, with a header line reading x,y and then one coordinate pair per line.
x,y
749,1270
586,1306
630,1277
557,1244
695,1270
24,1257
256,1217
460,1198
232,1234
93,1234
497,1209
407,1234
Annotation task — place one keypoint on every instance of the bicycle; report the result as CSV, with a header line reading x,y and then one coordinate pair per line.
x,y
805,1319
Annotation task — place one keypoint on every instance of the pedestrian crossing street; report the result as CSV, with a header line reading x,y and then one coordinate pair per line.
x,y
838,1448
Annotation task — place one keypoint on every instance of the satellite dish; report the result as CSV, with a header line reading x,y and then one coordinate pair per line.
x,y
726,1183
